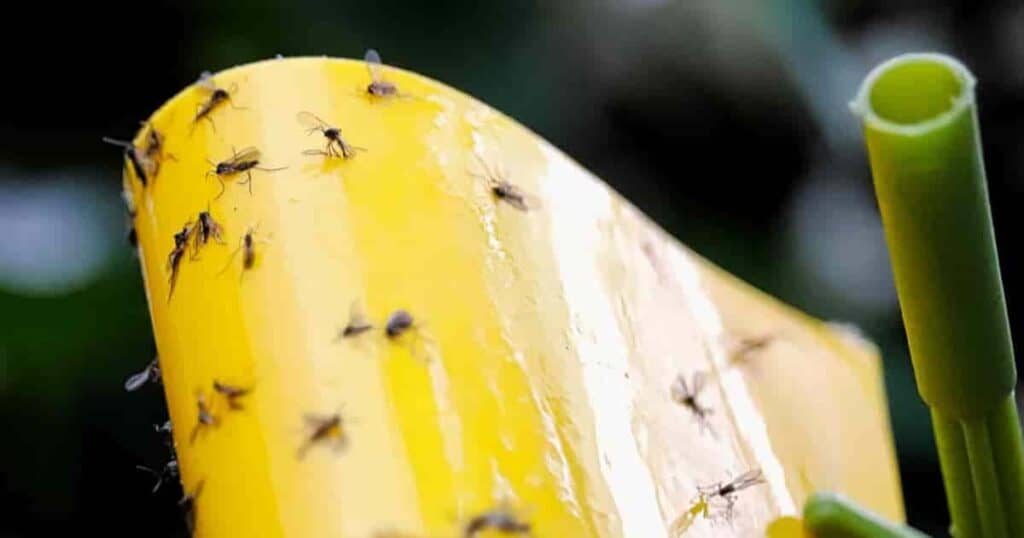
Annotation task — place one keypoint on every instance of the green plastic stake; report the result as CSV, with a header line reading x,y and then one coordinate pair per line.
x,y
830,515
921,128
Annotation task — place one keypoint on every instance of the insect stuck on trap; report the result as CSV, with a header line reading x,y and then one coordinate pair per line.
x,y
189,506
165,431
248,249
504,191
204,417
217,97
181,240
207,228
398,323
324,430
379,85
245,161
686,395
401,323
168,472
231,393
501,521
336,145
151,374
357,323
725,494
715,501
154,148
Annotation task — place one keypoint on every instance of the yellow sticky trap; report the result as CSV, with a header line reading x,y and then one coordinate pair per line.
x,y
787,527
546,336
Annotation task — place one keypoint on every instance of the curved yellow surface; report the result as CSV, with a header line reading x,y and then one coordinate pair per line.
x,y
536,377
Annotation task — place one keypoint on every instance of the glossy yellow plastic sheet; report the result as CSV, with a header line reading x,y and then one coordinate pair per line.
x,y
536,378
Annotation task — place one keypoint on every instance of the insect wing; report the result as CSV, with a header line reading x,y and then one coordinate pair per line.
x,y
679,389
747,479
698,382
356,316
518,199
246,155
374,65
206,81
311,121
319,422
136,380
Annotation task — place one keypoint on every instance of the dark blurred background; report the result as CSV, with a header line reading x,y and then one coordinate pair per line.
x,y
724,120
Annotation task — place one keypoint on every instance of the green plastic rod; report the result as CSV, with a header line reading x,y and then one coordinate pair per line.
x,y
830,515
921,128
925,150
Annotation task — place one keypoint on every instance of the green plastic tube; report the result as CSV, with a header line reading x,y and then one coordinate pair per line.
x,y
921,128
830,515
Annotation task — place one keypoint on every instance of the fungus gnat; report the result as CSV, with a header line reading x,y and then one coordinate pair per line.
x,y
687,396
336,145
181,239
727,492
218,96
151,373
154,148
748,479
204,417
231,393
206,229
505,191
401,322
357,323
248,249
189,507
141,164
501,521
718,495
379,86
324,429
246,161
168,472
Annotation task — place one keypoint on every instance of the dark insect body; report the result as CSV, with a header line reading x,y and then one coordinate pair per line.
x,y
336,145
398,323
181,240
324,429
379,86
687,396
218,96
496,520
232,393
505,191
244,161
204,418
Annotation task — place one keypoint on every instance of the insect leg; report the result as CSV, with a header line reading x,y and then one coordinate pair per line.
x,y
230,259
222,187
